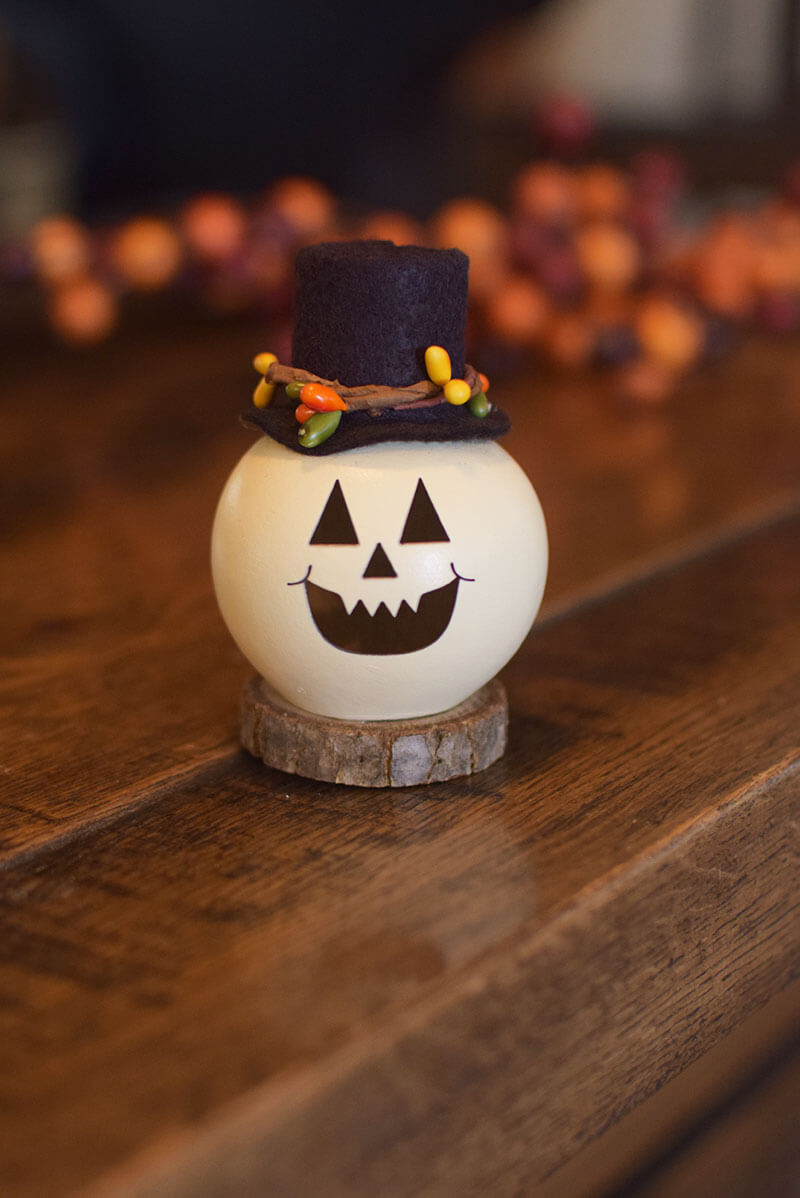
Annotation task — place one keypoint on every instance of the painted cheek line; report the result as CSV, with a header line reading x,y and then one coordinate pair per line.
x,y
300,581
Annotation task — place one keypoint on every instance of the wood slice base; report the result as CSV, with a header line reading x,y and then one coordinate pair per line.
x,y
463,740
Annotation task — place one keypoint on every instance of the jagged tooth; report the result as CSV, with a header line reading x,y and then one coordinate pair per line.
x,y
413,605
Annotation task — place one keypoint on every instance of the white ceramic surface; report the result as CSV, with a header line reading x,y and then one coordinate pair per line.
x,y
308,620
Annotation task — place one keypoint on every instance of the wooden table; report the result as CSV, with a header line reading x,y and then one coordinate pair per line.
x,y
219,979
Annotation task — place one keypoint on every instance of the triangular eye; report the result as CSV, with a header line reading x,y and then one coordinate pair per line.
x,y
422,521
335,526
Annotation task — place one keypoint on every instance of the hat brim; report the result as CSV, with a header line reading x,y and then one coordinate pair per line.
x,y
442,422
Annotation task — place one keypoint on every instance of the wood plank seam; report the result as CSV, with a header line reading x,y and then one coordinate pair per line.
x,y
156,790
667,561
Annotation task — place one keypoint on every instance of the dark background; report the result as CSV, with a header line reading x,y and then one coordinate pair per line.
x,y
164,96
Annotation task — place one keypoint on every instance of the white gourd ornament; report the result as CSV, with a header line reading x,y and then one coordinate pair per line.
x,y
376,555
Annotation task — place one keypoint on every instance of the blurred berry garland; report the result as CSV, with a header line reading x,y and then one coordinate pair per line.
x,y
589,266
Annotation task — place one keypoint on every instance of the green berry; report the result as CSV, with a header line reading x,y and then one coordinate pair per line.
x,y
479,405
318,428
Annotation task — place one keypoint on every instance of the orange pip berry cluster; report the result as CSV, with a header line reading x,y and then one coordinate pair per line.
x,y
319,412
456,391
320,408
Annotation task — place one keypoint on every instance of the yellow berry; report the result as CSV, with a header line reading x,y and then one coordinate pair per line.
x,y
262,396
262,362
457,391
437,364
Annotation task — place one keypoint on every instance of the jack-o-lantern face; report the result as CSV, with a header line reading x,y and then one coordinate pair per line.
x,y
386,582
382,631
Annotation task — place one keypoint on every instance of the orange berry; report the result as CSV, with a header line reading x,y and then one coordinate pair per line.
x,y
147,253
724,285
60,248
214,226
668,332
322,398
303,412
83,311
568,340
392,226
608,256
602,193
645,383
479,230
306,206
517,310
545,192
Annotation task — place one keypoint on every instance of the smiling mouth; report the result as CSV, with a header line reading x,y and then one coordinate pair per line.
x,y
382,633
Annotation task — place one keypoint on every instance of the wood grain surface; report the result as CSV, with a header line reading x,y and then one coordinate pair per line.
x,y
216,978
112,462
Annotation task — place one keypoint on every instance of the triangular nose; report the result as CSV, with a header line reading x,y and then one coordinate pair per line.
x,y
379,565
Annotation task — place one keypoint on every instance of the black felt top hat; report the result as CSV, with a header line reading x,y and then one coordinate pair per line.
x,y
365,314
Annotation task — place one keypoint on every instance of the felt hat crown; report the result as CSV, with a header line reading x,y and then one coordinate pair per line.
x,y
366,312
